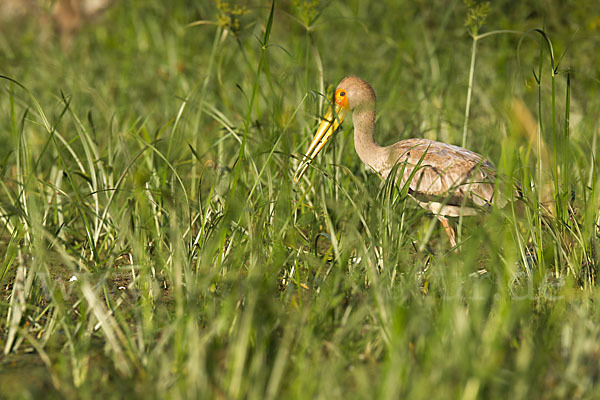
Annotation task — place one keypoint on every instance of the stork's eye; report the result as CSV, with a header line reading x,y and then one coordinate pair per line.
x,y
341,98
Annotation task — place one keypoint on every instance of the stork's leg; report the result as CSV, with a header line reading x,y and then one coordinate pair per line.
x,y
448,229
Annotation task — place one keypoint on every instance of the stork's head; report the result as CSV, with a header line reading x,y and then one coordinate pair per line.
x,y
351,94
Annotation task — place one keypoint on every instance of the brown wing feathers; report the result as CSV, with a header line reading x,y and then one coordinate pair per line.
x,y
445,172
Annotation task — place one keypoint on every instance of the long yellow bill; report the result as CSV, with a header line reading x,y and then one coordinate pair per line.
x,y
327,127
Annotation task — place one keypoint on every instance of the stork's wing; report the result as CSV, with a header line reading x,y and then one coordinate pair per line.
x,y
444,173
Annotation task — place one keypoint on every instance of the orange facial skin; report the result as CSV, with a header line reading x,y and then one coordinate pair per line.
x,y
341,99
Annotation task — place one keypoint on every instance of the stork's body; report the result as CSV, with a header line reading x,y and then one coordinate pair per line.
x,y
449,180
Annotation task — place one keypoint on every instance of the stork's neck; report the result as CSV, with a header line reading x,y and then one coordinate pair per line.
x,y
369,151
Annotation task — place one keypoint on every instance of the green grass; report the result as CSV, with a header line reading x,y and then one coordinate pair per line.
x,y
153,162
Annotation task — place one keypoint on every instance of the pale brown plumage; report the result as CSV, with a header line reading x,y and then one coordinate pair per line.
x,y
449,180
